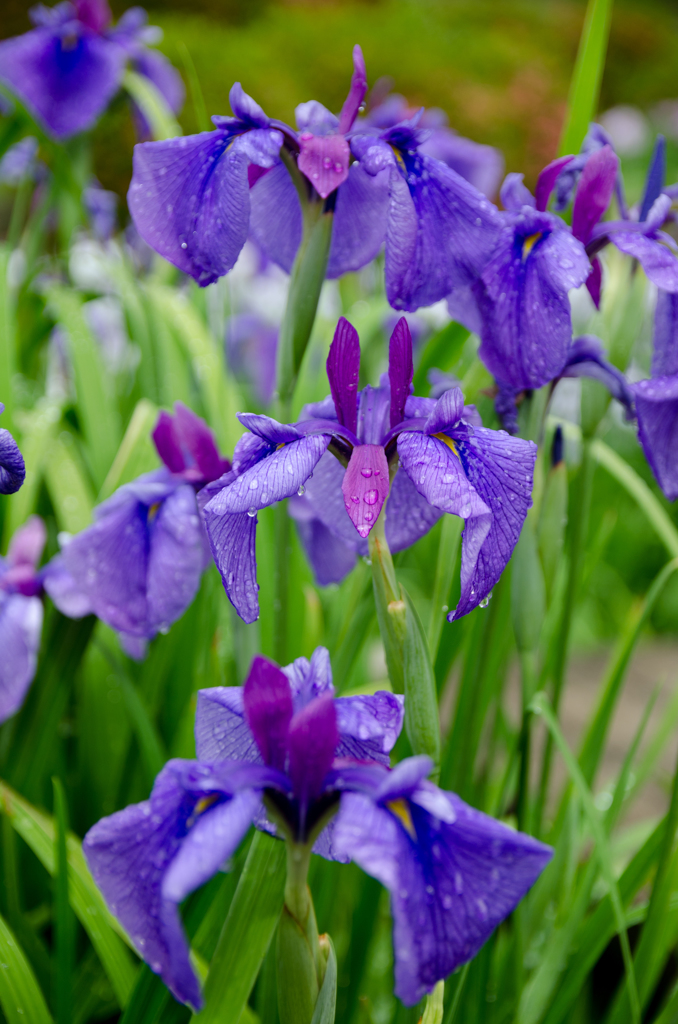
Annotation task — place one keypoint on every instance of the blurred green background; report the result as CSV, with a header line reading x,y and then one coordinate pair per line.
x,y
499,68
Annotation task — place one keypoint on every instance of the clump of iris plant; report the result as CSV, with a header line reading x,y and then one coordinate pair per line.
x,y
68,68
362,455
138,566
283,753
195,199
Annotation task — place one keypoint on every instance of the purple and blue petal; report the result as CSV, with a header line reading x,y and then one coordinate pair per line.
x,y
12,466
657,412
20,629
665,340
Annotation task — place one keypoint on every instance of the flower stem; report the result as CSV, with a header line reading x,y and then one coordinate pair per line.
x,y
300,961
391,609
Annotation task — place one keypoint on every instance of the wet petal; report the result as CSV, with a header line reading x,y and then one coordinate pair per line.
x,y
594,192
360,219
312,741
435,469
324,161
267,702
514,193
658,262
12,466
331,559
176,560
409,515
547,180
657,411
446,412
343,369
275,219
20,629
27,544
665,341
233,542
369,726
400,369
365,486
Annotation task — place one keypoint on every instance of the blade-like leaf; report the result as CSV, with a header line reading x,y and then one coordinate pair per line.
x,y
152,105
326,1004
67,484
63,915
582,100
136,453
20,996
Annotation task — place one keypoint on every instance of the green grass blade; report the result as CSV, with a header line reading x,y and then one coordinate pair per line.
x,y
582,101
96,404
442,351
152,105
446,563
67,483
247,932
37,830
64,938
657,516
136,454
540,706
204,123
37,431
20,996
8,355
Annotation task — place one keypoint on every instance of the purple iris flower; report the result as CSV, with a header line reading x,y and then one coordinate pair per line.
x,y
453,873
449,463
20,614
138,566
481,165
68,68
12,466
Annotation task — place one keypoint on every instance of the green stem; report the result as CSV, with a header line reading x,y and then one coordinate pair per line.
x,y
301,964
529,678
391,609
281,566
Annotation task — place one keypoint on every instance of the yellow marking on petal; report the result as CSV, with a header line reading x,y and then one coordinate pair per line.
x,y
153,511
530,242
449,442
401,809
279,446
204,804
399,159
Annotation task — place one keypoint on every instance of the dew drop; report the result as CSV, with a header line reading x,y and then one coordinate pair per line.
x,y
338,168
355,499
184,245
369,516
301,489
367,472
370,497
251,512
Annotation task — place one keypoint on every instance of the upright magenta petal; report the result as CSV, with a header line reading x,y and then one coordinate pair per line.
x,y
324,160
66,86
267,700
343,370
365,486
356,93
312,741
167,444
400,369
95,14
657,411
547,180
199,441
594,192
594,281
665,341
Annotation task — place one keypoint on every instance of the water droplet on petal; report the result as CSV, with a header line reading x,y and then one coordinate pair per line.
x,y
300,490
251,512
371,497
366,472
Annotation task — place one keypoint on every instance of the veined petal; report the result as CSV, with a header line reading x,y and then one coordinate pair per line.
x,y
331,559
400,369
360,220
356,92
446,413
514,194
312,741
435,469
176,560
233,542
324,493
275,218
500,468
409,515
343,369
12,466
658,262
324,161
369,726
665,341
20,629
275,477
267,702
657,411
365,486
309,679
221,729
65,87
547,180
594,191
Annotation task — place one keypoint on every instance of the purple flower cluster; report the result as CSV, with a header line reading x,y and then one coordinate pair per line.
x,y
343,457
69,67
282,749
138,566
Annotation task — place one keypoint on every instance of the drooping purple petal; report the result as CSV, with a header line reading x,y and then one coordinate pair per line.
x,y
267,702
12,466
514,194
360,219
656,176
522,298
665,341
409,515
451,883
221,729
657,260
369,726
434,467
657,411
343,369
324,494
594,192
331,559
275,218
176,559
441,230
446,412
312,741
365,486
547,180
400,369
356,92
66,84
233,542
20,629
587,359
500,468
324,161
189,196
480,165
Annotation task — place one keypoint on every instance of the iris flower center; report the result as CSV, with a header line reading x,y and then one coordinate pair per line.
x,y
401,810
530,242
449,442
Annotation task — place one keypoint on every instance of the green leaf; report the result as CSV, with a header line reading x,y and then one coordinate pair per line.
x,y
247,932
63,915
442,350
325,1007
446,564
67,484
96,403
20,996
540,706
152,105
582,101
37,830
421,700
136,454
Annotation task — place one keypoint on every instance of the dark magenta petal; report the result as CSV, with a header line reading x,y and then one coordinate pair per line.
x,y
197,438
655,177
594,281
324,161
547,180
267,700
657,411
400,369
594,192
365,486
66,87
665,352
166,443
343,369
356,92
95,14
312,740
